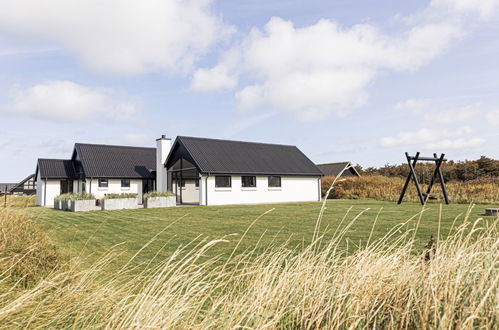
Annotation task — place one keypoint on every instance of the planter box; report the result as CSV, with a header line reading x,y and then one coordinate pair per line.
x,y
57,205
119,204
81,205
64,205
155,202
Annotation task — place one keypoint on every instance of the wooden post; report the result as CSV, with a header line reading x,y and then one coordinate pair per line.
x,y
5,198
408,179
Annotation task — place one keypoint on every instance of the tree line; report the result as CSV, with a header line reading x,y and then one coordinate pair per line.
x,y
482,169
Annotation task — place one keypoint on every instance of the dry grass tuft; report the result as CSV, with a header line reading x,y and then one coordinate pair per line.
x,y
390,283
18,201
26,255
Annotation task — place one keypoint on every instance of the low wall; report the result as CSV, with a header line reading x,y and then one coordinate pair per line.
x,y
156,202
57,205
81,205
119,204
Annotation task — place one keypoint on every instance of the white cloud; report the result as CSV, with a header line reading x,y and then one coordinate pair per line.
x,y
68,101
324,68
493,117
432,114
484,8
216,78
120,36
434,138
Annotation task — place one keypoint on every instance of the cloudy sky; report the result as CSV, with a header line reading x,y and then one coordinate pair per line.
x,y
341,79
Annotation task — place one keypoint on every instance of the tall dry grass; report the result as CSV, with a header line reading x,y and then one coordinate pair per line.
x,y
389,188
388,283
17,201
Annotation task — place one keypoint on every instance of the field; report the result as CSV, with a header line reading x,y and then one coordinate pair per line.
x,y
362,264
93,233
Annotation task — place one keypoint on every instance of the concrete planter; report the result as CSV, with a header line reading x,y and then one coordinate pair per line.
x,y
81,205
57,205
119,204
164,201
64,205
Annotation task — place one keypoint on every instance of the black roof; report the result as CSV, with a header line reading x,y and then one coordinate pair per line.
x,y
237,157
6,187
56,169
109,161
334,169
22,182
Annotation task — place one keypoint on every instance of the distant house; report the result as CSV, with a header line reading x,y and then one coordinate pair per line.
x,y
198,170
24,188
6,187
334,169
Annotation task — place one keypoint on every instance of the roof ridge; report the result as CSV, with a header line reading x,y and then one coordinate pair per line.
x,y
53,159
345,162
111,145
238,141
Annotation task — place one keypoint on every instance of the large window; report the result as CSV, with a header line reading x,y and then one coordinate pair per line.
x,y
103,183
223,181
274,181
248,181
125,183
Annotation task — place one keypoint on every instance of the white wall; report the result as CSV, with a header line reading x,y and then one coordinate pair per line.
x,y
114,187
163,146
39,189
293,189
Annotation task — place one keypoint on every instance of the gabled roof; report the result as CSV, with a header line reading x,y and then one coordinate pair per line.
x,y
334,169
22,182
108,161
56,169
215,156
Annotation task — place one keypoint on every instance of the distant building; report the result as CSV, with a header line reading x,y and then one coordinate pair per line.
x,y
334,169
6,187
24,188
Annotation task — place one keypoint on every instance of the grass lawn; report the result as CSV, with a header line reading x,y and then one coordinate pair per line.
x,y
89,234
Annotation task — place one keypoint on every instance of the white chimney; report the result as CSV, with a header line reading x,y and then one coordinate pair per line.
x,y
163,146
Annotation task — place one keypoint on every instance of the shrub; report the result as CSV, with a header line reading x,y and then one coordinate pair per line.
x,y
75,197
388,189
158,194
122,195
26,254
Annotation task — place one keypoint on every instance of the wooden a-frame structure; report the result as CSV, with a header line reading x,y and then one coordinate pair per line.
x,y
412,161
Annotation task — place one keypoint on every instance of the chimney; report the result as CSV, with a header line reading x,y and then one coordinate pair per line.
x,y
163,146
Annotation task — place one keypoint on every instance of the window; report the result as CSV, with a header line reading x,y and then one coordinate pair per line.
x,y
181,183
274,181
125,183
248,181
103,183
223,181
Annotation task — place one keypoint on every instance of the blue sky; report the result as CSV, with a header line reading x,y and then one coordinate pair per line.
x,y
343,80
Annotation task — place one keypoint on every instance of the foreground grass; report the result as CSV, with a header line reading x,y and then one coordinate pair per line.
x,y
386,282
91,234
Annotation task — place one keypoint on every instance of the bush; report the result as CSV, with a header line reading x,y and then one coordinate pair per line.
x,y
75,197
388,189
122,195
158,194
26,254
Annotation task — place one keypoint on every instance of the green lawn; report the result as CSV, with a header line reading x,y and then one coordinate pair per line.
x,y
92,233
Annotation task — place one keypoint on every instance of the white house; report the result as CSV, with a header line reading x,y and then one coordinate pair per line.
x,y
199,171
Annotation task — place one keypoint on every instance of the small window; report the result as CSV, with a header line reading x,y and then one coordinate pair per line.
x,y
248,181
103,183
125,183
223,181
274,181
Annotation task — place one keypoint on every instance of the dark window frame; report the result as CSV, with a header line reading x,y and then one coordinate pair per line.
x,y
272,185
196,183
217,184
101,183
251,185
125,185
